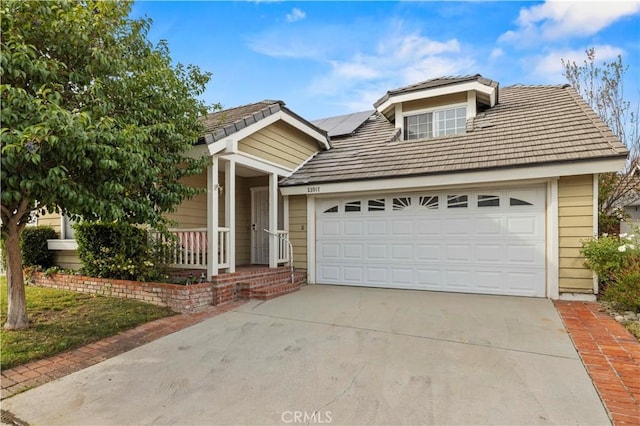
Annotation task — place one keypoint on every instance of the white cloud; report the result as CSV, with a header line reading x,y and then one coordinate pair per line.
x,y
556,20
397,60
548,68
496,52
354,70
295,15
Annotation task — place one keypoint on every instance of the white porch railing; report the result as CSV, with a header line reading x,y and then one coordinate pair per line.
x,y
224,247
189,250
283,246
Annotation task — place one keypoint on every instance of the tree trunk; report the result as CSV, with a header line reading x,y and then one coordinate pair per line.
x,y
17,302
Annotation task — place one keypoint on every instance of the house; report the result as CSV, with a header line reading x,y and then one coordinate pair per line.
x,y
452,184
630,204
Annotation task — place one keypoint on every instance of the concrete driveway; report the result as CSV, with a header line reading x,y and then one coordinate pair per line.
x,y
340,355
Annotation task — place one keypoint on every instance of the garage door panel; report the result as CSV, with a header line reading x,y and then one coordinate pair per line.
x,y
352,251
458,226
528,254
429,278
525,283
402,227
490,253
401,252
352,228
401,277
523,226
376,275
489,226
429,252
327,228
329,273
377,251
428,227
490,281
329,251
458,252
458,279
491,245
377,227
352,273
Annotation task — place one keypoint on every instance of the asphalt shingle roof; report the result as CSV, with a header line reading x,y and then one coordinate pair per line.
x,y
532,125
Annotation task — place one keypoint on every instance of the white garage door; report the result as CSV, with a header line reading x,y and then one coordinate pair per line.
x,y
481,241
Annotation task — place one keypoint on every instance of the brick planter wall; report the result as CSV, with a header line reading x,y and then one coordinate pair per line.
x,y
180,298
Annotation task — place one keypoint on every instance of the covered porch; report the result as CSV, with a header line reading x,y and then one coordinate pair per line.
x,y
242,215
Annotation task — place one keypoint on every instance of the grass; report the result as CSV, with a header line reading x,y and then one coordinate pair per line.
x,y
634,328
61,320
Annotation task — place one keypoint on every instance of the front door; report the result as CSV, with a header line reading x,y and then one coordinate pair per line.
x,y
259,222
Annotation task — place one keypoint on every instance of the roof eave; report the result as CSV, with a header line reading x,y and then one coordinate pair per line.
x,y
491,90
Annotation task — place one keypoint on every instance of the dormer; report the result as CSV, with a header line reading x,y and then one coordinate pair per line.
x,y
438,107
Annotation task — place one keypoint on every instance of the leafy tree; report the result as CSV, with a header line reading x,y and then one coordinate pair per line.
x,y
602,87
96,121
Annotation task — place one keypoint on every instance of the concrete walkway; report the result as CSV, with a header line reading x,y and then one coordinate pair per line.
x,y
340,355
36,373
611,355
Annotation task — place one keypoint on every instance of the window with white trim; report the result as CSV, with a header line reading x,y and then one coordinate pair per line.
x,y
445,122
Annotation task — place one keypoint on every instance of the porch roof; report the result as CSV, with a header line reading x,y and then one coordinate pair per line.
x,y
221,124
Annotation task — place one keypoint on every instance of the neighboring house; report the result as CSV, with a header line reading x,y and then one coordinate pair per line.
x,y
631,204
453,184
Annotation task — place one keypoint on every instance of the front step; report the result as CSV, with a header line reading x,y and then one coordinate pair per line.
x,y
274,285
261,284
273,291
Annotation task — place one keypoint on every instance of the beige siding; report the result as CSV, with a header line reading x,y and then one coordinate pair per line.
x,y
192,213
435,102
298,229
67,259
280,143
575,218
52,220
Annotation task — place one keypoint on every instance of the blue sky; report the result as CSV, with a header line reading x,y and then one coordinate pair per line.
x,y
332,58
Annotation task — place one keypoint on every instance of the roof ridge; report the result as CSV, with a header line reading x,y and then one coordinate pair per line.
x,y
595,119
521,85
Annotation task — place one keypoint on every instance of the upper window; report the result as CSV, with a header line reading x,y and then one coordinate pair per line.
x,y
445,122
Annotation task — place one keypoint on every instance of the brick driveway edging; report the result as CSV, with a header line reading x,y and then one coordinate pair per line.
x,y
36,373
611,356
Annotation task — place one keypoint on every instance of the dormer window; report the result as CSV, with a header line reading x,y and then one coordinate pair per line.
x,y
442,122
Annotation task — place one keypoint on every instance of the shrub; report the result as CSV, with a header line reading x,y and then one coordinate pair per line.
x,y
33,244
616,260
116,250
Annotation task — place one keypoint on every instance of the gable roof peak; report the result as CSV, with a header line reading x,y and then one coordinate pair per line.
x,y
436,82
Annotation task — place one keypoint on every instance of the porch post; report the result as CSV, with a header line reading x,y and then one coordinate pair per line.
x,y
273,220
212,218
230,209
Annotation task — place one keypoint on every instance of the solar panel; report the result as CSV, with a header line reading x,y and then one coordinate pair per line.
x,y
343,124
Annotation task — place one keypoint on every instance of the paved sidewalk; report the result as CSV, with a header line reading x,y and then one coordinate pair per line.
x,y
36,373
611,356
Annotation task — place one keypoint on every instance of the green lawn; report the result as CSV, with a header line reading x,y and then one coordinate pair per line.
x,y
61,320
